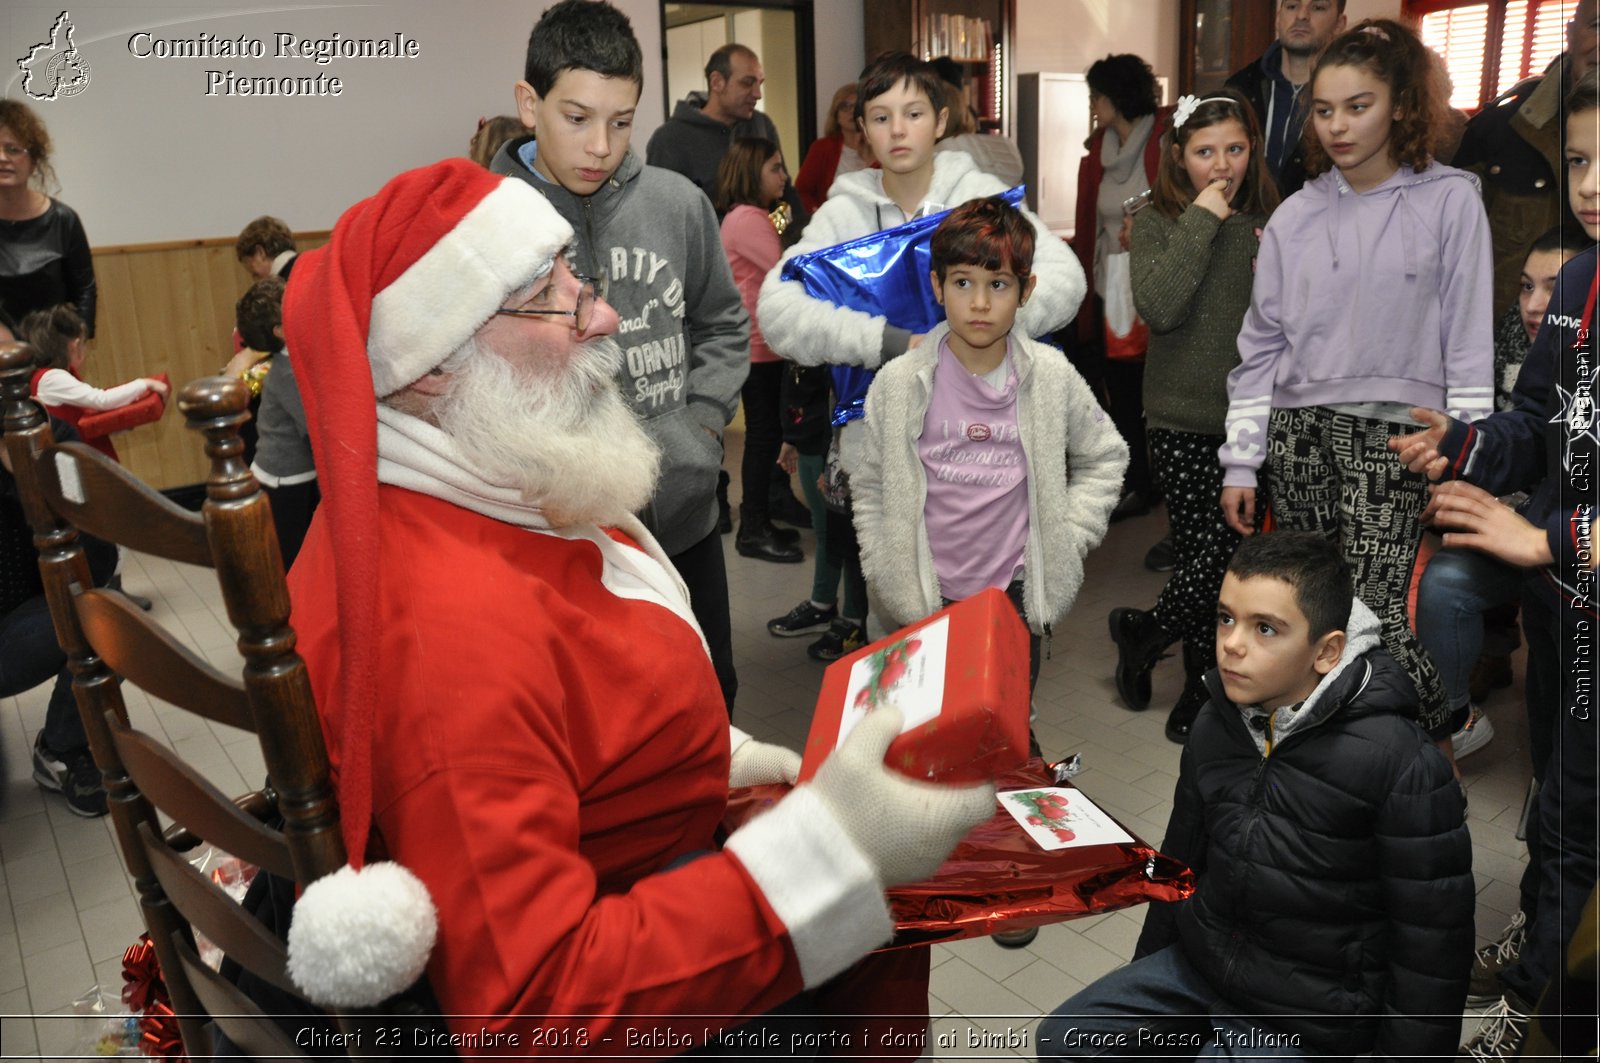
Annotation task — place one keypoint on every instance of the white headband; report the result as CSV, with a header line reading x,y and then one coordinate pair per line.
x,y
1187,104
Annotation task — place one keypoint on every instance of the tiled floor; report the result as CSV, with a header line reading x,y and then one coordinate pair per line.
x,y
67,910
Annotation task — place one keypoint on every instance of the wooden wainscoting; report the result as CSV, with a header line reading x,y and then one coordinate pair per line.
x,y
167,308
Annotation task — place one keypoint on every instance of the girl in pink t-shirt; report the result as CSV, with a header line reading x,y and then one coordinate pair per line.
x,y
750,185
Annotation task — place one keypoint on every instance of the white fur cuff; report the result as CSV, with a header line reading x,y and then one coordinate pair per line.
x,y
821,885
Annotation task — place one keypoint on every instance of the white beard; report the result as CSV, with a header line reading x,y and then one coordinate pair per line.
x,y
567,443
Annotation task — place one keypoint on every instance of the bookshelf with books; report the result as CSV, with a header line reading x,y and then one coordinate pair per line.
x,y
974,34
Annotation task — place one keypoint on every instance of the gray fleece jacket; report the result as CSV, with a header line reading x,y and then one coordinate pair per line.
x,y
651,239
1075,462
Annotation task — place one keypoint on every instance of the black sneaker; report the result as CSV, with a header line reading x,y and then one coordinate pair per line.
x,y
842,637
1502,1030
1141,642
1485,987
1160,558
73,776
803,619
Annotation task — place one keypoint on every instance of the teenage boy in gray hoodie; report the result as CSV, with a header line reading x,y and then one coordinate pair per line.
x,y
649,238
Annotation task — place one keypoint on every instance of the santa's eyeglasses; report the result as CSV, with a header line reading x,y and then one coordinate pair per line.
x,y
581,314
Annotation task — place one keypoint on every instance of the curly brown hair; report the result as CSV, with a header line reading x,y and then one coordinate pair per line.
x,y
258,311
266,233
1394,54
29,128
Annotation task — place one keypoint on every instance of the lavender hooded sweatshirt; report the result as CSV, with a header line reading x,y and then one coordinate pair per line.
x,y
1377,296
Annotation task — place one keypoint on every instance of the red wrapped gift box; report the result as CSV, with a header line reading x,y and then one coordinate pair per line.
x,y
145,410
999,879
961,679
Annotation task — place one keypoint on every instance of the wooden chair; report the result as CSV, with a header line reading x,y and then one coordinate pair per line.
x,y
70,487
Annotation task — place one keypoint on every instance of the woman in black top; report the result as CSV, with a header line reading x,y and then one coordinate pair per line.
x,y
44,253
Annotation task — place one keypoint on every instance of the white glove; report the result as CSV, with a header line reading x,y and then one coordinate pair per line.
x,y
906,828
758,763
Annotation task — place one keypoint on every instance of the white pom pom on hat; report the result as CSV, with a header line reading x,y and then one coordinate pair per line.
x,y
406,278
360,937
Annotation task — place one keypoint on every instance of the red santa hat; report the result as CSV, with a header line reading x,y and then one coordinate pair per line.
x,y
406,279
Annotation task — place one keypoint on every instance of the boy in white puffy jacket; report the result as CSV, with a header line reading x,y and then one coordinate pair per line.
x,y
985,460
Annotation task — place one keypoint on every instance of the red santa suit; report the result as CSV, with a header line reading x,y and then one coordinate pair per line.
x,y
552,740
524,721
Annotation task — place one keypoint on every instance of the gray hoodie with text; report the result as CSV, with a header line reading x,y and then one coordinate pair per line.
x,y
651,240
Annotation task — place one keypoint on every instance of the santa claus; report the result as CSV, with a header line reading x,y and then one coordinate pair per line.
x,y
522,715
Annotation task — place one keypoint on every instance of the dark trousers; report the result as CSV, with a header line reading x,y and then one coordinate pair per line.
x,y
1128,1012
705,572
1542,696
292,507
1568,828
30,655
1202,542
763,438
1125,394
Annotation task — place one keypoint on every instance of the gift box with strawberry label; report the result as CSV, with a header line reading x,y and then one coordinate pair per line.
x,y
961,679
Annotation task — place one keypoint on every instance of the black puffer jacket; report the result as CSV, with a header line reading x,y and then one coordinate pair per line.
x,y
1335,894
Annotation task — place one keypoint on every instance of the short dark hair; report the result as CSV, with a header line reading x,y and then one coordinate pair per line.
x,y
1127,81
266,233
259,309
739,173
582,35
1279,3
50,332
1315,567
989,233
721,61
1568,238
889,71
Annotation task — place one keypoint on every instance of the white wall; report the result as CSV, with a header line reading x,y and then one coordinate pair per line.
x,y
143,154
1065,36
841,53
1356,10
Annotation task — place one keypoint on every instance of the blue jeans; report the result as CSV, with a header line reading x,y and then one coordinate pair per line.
x,y
1457,588
1157,1008
30,655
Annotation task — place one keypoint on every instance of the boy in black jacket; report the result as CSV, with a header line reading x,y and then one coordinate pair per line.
x,y
1333,909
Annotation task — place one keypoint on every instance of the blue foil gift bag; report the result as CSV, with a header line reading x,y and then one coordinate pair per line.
x,y
883,273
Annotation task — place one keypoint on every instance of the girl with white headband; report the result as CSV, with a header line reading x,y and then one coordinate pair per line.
x,y
1193,253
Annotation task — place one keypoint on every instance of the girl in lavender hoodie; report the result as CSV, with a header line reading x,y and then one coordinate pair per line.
x,y
1373,291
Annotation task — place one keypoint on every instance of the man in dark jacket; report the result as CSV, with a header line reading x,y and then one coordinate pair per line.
x,y
1275,84
1515,145
1334,899
705,124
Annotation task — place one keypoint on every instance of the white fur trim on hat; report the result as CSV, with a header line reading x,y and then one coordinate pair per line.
x,y
509,238
359,937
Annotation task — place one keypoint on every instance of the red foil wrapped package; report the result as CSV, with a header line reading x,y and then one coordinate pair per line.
x,y
961,679
145,410
998,878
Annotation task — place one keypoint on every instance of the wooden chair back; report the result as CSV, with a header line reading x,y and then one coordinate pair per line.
x,y
68,488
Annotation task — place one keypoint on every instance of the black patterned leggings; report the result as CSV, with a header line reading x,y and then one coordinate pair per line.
x,y
1191,477
1332,473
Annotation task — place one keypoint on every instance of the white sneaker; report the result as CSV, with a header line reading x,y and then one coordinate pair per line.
x,y
1501,1032
1474,734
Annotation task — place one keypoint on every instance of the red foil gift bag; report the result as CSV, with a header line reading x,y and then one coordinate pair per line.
x,y
961,679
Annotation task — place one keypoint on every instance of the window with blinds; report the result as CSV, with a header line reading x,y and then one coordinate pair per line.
x,y
1490,45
